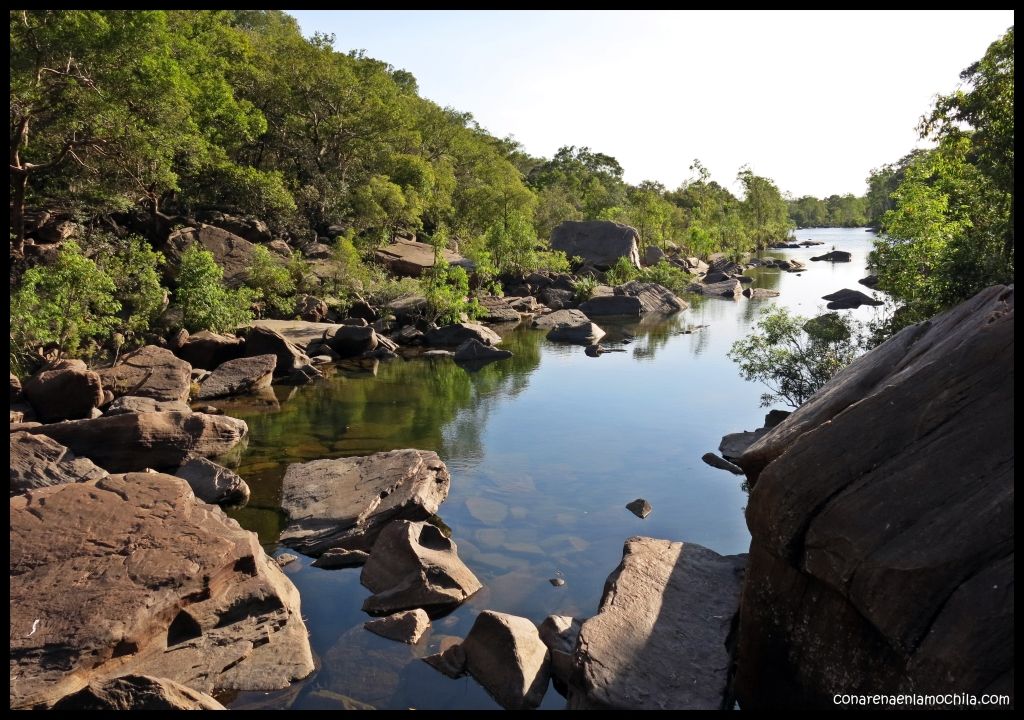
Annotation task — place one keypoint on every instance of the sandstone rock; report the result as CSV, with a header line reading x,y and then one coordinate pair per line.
x,y
137,692
303,376
285,559
759,293
408,335
213,483
735,444
557,299
559,633
731,289
634,299
16,393
38,461
209,350
506,655
407,627
233,253
473,351
525,304
570,326
355,321
64,390
455,335
335,558
150,371
352,340
717,462
834,256
317,251
497,310
411,259
364,311
870,281
299,333
639,507
252,229
133,404
344,503
659,638
164,585
310,308
598,242
653,255
408,309
451,661
235,377
155,440
846,299
412,564
881,516
281,248
262,340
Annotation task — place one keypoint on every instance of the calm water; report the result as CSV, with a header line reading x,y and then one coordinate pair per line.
x,y
545,450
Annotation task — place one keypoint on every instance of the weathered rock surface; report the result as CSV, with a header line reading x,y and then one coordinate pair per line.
x,y
133,404
150,371
38,461
759,293
458,333
352,340
506,655
570,326
881,515
598,242
232,253
653,255
659,638
147,440
730,288
411,259
473,351
717,462
639,507
834,256
16,393
344,503
310,308
634,299
846,299
252,229
213,483
412,564
557,298
209,350
303,376
870,281
132,575
497,310
64,390
137,692
262,340
244,375
336,558
560,633
407,627
735,444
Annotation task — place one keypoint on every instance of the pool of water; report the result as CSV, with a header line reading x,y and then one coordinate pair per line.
x,y
545,449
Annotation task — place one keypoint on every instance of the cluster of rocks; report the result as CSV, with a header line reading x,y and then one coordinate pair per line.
x,y
725,278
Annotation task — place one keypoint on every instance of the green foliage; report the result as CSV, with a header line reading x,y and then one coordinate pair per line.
x,y
204,301
61,306
834,211
272,285
621,272
446,287
583,288
764,211
667,275
134,268
794,356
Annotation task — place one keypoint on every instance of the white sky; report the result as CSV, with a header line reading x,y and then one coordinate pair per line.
x,y
813,100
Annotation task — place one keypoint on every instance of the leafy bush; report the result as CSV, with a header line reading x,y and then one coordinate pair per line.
x,y
205,303
795,356
668,275
134,267
621,272
583,288
272,284
446,287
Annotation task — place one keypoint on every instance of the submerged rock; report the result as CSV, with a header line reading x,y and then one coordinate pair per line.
x,y
407,627
506,655
571,326
834,256
336,558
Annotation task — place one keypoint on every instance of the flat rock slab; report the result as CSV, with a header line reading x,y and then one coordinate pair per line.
x,y
344,503
506,655
473,351
731,288
720,463
570,326
834,256
138,692
132,574
236,377
735,444
658,640
38,461
497,310
458,333
407,627
759,293
150,371
134,404
411,259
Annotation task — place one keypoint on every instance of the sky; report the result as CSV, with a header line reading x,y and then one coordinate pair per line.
x,y
813,100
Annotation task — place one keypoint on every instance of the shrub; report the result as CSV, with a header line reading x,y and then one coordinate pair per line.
x,y
272,284
621,272
205,303
134,268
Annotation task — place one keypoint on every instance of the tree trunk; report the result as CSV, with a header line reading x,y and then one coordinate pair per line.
x,y
18,213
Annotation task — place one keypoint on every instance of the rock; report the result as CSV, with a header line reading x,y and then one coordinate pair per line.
x,y
137,692
570,326
164,585
717,462
653,255
151,372
497,310
411,259
834,256
17,416
303,376
209,350
759,293
639,507
310,308
285,559
847,299
559,633
344,503
408,309
525,304
352,340
16,393
505,655
262,340
281,248
659,638
455,335
318,251
556,582
594,350
715,276
252,229
881,520
236,377
811,243
412,564
408,335
233,253
472,350
774,417
870,281
407,627
213,483
438,353
38,461
64,390
557,299
364,311
451,661
634,299
598,242
177,339
335,558
161,440
735,444
208,409
731,289
355,321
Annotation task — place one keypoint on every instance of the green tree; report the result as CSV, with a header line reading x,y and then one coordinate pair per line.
x,y
134,268
205,303
763,209
271,282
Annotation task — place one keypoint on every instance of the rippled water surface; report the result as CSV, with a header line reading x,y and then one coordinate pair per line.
x,y
544,449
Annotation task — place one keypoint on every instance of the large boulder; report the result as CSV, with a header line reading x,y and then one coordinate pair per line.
x,y
834,256
473,351
413,565
559,633
557,298
847,299
759,293
659,639
497,310
598,242
133,404
570,326
137,692
64,390
233,253
458,333
244,375
506,655
213,483
132,574
150,371
411,259
881,520
731,288
345,502
262,340
252,229
38,461
351,340
208,350
634,299
133,441
407,626
310,308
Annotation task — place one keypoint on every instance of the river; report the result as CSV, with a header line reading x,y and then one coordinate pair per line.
x,y
545,449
